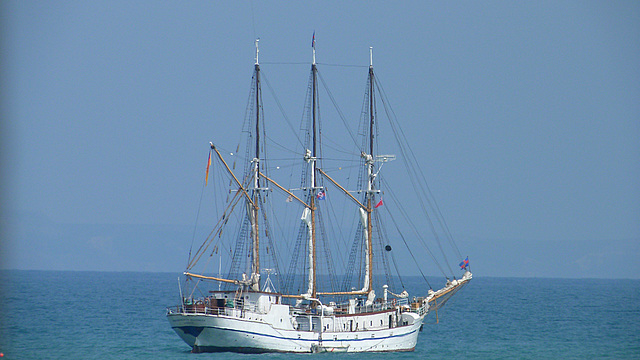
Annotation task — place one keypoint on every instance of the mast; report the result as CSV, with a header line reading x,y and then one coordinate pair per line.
x,y
257,69
365,213
309,213
371,100
253,210
314,72
370,177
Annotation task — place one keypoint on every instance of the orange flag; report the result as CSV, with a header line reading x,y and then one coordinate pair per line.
x,y
206,179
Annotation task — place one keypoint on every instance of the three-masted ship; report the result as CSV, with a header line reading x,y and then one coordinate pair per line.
x,y
244,312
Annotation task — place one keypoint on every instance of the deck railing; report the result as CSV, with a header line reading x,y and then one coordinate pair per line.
x,y
203,308
339,309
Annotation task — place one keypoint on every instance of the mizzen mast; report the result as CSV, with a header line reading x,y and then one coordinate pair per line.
x,y
252,209
312,291
370,177
370,159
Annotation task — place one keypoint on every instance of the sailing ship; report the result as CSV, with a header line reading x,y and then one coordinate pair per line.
x,y
309,309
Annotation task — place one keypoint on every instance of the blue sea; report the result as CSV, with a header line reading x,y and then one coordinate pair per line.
x,y
114,315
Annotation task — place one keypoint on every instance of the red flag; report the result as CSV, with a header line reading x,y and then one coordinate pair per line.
x,y
206,179
378,204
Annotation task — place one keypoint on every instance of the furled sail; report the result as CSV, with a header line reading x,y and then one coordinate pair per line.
x,y
365,227
306,218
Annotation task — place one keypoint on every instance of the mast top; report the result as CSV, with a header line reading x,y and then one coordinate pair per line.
x,y
313,45
257,51
370,56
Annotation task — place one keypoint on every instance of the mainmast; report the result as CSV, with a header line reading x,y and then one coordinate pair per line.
x,y
314,72
309,214
369,162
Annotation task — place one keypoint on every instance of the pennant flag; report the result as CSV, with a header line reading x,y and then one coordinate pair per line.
x,y
321,195
464,263
378,204
313,40
206,179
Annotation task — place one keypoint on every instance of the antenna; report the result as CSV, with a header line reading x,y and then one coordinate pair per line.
x,y
371,56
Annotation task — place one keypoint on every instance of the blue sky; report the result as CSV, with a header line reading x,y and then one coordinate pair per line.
x,y
526,116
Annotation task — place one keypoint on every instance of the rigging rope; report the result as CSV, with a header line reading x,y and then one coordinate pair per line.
x,y
195,226
344,65
217,228
410,252
415,229
277,144
406,151
344,121
284,63
286,118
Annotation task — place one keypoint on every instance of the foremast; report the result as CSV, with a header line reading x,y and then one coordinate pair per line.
x,y
251,194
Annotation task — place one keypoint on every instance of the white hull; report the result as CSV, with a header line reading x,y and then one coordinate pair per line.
x,y
235,332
